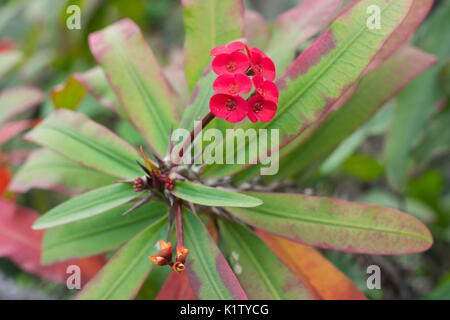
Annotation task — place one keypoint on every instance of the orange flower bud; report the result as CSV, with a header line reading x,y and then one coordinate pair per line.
x,y
182,253
178,266
159,260
166,250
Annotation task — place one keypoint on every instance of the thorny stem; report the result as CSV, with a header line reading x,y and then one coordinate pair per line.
x,y
207,119
179,223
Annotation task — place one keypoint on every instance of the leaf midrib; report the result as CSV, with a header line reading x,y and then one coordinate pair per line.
x,y
118,225
133,263
322,71
274,213
149,103
255,262
203,263
97,147
86,206
315,78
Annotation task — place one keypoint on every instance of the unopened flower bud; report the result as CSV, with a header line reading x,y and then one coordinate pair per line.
x,y
178,266
138,184
182,253
166,250
159,260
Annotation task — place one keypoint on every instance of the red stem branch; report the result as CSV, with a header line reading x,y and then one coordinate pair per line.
x,y
207,119
179,223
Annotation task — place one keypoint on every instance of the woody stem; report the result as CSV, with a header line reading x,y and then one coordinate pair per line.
x,y
179,223
207,119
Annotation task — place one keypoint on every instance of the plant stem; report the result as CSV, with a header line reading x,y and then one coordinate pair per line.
x,y
207,119
179,223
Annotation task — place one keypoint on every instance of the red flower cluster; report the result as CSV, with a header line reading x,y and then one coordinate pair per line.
x,y
234,67
165,258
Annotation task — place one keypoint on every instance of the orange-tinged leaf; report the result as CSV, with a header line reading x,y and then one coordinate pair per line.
x,y
321,277
148,163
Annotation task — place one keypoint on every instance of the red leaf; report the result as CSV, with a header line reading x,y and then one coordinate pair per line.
x,y
7,44
22,245
10,130
176,287
5,179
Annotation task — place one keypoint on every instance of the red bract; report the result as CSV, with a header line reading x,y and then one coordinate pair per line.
x,y
235,62
233,84
266,89
230,48
256,50
260,109
262,65
228,107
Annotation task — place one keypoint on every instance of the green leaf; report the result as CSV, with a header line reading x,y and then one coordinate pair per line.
x,y
436,140
375,126
45,169
18,100
416,102
68,95
321,75
209,273
95,83
8,60
87,205
198,106
98,234
122,277
137,80
82,140
337,224
374,90
297,25
209,196
208,23
259,270
441,291
414,207
363,167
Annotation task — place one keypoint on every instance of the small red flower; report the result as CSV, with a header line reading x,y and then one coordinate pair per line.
x,y
232,47
233,84
266,89
256,50
178,266
166,249
262,65
235,62
182,253
159,260
228,107
260,109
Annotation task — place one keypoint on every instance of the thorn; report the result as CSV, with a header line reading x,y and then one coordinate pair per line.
x,y
192,207
160,161
137,205
143,168
149,163
125,181
171,199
